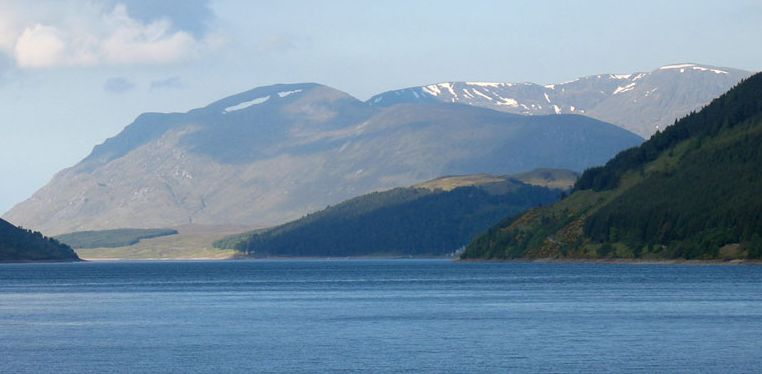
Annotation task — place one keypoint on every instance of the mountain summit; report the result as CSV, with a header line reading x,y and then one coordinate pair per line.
x,y
276,153
639,102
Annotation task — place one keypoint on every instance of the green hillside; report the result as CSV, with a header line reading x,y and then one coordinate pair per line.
x,y
431,219
690,192
17,244
551,178
111,238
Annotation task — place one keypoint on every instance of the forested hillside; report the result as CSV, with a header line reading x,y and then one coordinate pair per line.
x,y
111,238
17,244
430,219
692,191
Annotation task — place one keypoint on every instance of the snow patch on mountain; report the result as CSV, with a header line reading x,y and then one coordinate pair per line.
x,y
486,84
449,87
626,88
246,104
436,89
676,66
286,93
682,68
432,90
716,71
600,96
508,102
483,95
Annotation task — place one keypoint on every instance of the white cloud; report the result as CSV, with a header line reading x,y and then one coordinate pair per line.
x,y
8,27
95,37
40,46
132,42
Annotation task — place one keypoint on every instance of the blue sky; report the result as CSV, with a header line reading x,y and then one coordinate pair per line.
x,y
75,72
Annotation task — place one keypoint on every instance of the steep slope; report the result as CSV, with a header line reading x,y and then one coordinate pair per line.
x,y
432,218
691,192
276,153
17,244
639,102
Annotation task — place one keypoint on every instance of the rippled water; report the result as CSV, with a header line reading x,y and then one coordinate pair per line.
x,y
378,316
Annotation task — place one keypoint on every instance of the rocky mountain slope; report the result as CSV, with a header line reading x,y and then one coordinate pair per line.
x,y
690,192
639,102
276,153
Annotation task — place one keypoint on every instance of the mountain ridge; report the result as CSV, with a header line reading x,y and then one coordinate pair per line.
x,y
656,98
275,153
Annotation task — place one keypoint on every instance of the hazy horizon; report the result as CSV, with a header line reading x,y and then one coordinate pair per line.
x,y
73,73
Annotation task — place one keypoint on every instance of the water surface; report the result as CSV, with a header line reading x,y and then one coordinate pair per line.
x,y
378,316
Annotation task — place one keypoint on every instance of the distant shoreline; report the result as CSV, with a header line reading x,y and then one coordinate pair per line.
x,y
620,261
41,261
239,257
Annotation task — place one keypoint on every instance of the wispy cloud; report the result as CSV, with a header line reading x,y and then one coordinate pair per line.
x,y
118,85
169,83
192,16
100,34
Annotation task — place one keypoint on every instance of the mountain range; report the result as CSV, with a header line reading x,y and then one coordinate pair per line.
x,y
273,154
434,218
639,102
689,192
276,153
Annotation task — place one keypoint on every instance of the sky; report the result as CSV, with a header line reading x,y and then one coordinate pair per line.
x,y
76,72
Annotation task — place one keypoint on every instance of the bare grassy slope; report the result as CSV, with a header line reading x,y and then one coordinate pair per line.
x,y
250,161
